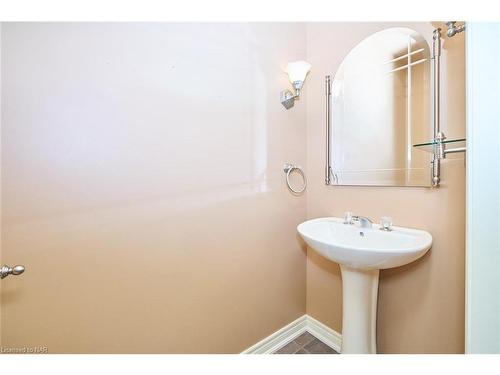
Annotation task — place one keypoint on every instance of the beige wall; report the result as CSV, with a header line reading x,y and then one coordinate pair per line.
x,y
142,186
421,305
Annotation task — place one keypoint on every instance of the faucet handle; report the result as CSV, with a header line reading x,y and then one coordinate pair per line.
x,y
386,223
348,218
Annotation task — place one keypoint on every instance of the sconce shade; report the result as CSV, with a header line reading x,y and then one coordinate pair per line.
x,y
297,70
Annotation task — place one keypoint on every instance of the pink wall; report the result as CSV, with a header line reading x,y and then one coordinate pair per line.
x,y
142,186
421,305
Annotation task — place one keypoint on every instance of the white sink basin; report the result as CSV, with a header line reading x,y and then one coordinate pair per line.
x,y
361,253
364,248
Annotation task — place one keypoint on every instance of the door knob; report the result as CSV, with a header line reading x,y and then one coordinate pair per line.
x,y
6,271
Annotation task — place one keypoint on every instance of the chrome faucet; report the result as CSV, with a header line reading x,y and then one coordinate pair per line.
x,y
364,222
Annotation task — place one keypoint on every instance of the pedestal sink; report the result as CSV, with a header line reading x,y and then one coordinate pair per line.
x,y
361,253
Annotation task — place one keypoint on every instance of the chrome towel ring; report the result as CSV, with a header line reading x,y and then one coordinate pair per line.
x,y
288,168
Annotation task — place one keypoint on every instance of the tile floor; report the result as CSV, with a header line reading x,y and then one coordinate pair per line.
x,y
306,344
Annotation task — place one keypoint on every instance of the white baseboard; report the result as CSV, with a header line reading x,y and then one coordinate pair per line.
x,y
324,333
279,338
293,330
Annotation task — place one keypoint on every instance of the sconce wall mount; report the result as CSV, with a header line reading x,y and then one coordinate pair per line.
x,y
297,72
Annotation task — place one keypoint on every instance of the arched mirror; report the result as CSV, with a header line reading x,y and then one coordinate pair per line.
x,y
380,107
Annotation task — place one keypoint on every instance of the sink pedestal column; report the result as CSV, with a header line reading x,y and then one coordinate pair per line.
x,y
359,311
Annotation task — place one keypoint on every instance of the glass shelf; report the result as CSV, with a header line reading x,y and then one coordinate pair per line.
x,y
447,143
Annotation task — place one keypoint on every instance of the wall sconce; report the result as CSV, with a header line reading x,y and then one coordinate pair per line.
x,y
297,72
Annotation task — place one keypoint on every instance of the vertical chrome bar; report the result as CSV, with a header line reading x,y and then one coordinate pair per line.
x,y
328,166
436,57
438,136
408,113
